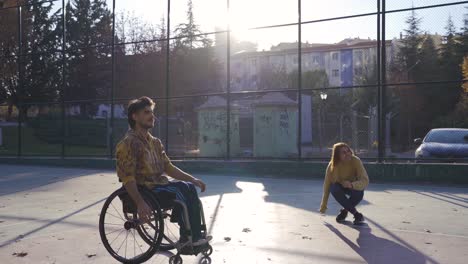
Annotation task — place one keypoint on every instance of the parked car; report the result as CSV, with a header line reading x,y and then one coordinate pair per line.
x,y
446,144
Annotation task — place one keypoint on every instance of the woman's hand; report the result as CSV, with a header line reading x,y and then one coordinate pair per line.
x,y
347,184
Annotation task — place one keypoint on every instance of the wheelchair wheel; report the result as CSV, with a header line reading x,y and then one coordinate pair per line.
x,y
171,232
176,259
208,251
119,228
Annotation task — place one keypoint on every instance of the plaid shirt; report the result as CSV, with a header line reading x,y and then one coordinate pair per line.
x,y
142,159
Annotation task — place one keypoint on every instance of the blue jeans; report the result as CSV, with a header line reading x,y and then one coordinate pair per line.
x,y
186,193
340,192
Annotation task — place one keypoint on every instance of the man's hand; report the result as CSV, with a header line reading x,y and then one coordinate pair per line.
x,y
144,212
200,184
347,184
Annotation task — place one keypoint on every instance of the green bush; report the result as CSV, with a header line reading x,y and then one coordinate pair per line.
x,y
78,131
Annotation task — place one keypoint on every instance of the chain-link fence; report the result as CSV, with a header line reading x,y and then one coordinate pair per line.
x,y
237,79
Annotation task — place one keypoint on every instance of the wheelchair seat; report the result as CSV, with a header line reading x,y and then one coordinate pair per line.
x,y
165,200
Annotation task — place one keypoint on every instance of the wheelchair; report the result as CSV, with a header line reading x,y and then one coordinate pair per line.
x,y
129,240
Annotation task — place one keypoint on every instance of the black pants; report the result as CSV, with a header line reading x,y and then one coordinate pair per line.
x,y
187,193
341,196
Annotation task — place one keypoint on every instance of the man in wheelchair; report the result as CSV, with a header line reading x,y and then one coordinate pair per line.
x,y
141,160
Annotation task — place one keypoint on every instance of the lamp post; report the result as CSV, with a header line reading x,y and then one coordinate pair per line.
x,y
323,97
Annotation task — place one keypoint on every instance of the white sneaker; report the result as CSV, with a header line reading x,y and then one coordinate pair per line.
x,y
202,241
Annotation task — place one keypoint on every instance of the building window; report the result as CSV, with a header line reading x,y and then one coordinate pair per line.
x,y
358,71
335,73
254,62
315,59
295,60
358,55
335,56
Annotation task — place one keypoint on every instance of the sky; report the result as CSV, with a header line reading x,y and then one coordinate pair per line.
x,y
244,14
212,15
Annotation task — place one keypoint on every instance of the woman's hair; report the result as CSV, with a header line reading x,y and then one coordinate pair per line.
x,y
335,158
136,105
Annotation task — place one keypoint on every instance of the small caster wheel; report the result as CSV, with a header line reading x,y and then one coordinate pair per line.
x,y
208,251
176,259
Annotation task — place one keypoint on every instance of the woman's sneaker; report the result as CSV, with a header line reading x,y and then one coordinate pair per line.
x,y
358,218
342,216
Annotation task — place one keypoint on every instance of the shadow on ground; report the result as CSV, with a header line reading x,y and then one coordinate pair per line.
x,y
22,178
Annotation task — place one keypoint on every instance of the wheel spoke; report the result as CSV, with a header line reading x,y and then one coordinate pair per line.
x,y
122,242
113,224
114,231
115,216
137,243
134,240
116,237
121,217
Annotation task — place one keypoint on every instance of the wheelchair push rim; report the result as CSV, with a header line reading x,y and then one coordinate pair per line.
x,y
118,229
171,232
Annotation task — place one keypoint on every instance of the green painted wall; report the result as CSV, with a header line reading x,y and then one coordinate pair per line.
x,y
212,138
275,131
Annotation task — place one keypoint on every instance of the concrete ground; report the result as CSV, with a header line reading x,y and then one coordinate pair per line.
x,y
51,215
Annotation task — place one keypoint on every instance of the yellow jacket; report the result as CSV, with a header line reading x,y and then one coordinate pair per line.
x,y
352,171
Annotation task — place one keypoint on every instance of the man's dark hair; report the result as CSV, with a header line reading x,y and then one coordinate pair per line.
x,y
137,105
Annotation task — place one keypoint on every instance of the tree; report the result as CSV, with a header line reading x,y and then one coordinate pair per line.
x,y
447,95
450,60
8,53
457,118
189,33
408,56
463,37
189,52
88,69
39,67
132,29
271,77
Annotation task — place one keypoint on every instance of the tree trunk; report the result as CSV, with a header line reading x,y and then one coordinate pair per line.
x,y
10,111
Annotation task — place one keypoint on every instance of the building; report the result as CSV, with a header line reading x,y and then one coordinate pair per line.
x,y
344,62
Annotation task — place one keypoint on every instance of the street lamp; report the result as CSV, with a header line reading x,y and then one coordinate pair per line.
x,y
323,96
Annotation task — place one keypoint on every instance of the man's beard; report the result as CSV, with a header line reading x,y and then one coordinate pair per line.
x,y
146,126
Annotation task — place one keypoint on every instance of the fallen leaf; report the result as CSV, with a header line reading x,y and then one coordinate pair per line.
x,y
227,239
427,231
306,237
90,255
246,230
406,222
20,254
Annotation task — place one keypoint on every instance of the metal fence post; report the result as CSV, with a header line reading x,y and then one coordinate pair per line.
x,y
299,78
228,88
379,87
110,134
62,96
382,140
167,72
20,76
